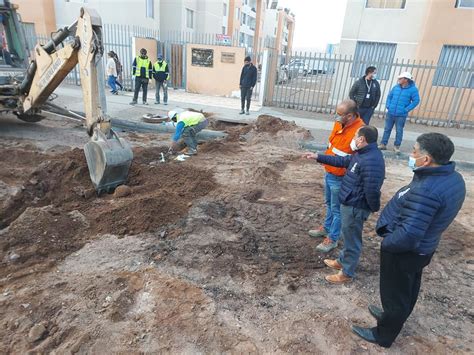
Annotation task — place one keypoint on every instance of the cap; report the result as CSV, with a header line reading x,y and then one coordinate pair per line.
x,y
247,59
406,75
160,56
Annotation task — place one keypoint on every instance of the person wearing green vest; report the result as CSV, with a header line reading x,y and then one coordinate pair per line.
x,y
142,71
161,74
189,123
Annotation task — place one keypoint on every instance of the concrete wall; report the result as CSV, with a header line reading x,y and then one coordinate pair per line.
x,y
39,12
221,79
401,26
112,12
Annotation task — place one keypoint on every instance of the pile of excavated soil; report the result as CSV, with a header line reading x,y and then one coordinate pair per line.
x,y
41,217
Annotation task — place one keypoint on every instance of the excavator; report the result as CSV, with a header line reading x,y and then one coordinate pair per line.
x,y
25,88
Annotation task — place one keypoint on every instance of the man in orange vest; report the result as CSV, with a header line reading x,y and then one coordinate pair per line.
x,y
345,128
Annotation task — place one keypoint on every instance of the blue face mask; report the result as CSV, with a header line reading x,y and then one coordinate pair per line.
x,y
412,162
374,76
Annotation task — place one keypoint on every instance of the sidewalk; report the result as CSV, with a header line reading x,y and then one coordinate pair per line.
x,y
227,109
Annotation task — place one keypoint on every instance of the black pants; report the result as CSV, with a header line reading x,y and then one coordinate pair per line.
x,y
245,94
400,281
140,83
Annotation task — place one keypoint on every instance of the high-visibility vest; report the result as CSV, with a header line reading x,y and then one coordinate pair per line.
x,y
142,63
190,118
157,67
340,143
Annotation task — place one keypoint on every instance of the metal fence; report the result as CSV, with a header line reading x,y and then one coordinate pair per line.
x,y
318,81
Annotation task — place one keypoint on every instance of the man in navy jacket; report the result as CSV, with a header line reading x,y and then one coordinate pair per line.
x,y
411,226
248,79
402,99
359,196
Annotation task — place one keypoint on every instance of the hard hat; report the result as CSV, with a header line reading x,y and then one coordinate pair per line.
x,y
172,114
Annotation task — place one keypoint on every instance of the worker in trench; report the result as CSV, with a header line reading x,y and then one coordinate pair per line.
x,y
188,125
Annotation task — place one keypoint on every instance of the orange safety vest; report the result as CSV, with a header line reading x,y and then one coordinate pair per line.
x,y
340,143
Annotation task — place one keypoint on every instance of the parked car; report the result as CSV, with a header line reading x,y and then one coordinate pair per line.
x,y
295,68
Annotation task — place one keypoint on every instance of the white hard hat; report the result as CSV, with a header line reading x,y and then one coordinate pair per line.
x,y
172,114
406,75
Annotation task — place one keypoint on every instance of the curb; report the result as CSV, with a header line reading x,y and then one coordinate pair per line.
x,y
313,146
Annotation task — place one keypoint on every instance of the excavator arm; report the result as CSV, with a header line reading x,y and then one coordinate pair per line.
x,y
108,156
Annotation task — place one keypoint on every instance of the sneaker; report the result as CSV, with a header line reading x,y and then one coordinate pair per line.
x,y
396,149
333,264
318,232
145,103
326,246
382,147
247,113
115,93
157,102
133,103
192,151
338,279
166,104
241,112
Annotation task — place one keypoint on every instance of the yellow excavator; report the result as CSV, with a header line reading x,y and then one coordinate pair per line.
x,y
108,156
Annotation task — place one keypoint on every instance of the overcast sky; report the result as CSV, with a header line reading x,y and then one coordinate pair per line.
x,y
318,22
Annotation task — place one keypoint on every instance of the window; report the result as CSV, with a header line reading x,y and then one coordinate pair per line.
x,y
225,9
150,8
385,4
244,19
238,14
189,18
465,3
378,54
223,30
455,67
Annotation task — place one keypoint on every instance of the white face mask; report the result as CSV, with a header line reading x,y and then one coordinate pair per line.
x,y
354,145
374,76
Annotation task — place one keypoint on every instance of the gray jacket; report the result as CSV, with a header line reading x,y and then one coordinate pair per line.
x,y
359,91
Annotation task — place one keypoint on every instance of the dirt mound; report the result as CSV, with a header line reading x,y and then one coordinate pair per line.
x,y
206,114
219,147
273,125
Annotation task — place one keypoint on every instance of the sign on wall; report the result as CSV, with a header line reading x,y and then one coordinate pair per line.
x,y
201,57
223,40
227,57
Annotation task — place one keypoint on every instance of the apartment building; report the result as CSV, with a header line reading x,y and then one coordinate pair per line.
x,y
279,25
432,30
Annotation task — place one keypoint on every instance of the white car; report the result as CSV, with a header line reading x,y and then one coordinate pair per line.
x,y
295,67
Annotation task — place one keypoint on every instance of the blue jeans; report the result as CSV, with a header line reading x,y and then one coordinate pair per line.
x,y
189,133
111,82
332,224
390,121
352,222
366,114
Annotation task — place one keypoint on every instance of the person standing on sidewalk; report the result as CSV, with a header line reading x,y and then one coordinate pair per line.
x,y
403,98
161,75
344,130
111,73
411,225
142,70
366,93
248,79
359,196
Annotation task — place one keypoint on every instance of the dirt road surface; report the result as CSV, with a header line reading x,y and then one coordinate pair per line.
x,y
206,255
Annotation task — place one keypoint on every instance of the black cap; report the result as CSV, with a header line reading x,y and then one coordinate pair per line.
x,y
143,50
247,59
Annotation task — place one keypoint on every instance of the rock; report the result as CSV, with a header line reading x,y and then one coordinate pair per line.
x,y
89,193
36,332
14,257
122,191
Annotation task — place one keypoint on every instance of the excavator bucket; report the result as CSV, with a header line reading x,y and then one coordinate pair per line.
x,y
108,159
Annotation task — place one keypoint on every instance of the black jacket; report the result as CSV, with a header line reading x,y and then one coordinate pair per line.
x,y
359,91
161,75
364,177
248,77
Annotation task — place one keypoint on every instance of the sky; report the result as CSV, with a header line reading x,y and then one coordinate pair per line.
x,y
318,22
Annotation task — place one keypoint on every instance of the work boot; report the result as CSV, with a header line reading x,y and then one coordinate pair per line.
x,y
247,112
333,264
133,103
318,232
396,149
241,112
376,312
382,146
326,246
338,279
192,151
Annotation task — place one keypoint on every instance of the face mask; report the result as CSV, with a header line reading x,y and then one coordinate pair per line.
x,y
354,145
412,162
374,76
